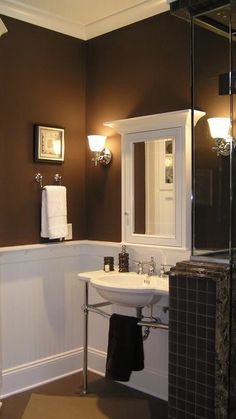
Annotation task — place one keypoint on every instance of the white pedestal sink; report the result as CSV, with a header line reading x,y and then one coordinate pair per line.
x,y
129,288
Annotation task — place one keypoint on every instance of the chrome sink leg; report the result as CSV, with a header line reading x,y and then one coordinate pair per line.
x,y
139,315
85,361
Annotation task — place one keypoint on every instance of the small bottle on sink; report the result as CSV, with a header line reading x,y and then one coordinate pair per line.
x,y
123,260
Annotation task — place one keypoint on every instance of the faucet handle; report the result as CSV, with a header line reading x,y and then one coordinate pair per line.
x,y
163,271
153,263
140,266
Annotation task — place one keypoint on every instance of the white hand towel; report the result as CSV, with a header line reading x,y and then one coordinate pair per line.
x,y
54,212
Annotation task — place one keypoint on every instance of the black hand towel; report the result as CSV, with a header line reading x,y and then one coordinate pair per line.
x,y
125,348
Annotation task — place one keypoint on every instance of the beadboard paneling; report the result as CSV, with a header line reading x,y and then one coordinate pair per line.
x,y
42,319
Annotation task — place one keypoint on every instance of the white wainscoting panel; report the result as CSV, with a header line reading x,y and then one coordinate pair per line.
x,y
41,315
42,319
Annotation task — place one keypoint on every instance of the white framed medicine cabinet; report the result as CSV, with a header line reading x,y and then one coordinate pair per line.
x,y
156,178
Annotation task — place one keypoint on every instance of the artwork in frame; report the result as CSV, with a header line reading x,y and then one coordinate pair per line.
x,y
49,144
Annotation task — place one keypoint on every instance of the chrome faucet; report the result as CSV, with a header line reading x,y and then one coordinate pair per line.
x,y
151,266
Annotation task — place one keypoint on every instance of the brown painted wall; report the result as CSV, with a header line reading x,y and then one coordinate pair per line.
x,y
138,70
42,80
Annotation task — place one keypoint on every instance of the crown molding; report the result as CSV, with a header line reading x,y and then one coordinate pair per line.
x,y
38,17
126,17
77,29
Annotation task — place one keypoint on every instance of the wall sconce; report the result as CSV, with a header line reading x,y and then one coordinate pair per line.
x,y
102,155
219,130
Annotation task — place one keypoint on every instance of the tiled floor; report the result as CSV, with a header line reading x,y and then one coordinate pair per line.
x,y
14,406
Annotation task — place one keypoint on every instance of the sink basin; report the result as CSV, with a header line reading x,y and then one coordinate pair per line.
x,y
132,290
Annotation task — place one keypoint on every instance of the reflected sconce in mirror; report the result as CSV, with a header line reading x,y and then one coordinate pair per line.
x,y
219,130
102,154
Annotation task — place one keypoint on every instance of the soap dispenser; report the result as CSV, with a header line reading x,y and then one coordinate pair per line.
x,y
123,260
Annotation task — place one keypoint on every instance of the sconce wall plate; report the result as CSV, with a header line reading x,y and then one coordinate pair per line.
x,y
219,130
222,147
105,157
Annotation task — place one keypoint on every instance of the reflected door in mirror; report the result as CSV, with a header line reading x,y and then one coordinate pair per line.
x,y
154,187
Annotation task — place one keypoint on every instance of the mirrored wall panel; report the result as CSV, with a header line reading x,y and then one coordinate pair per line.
x,y
213,140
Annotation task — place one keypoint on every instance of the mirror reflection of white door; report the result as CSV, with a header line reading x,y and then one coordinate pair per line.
x,y
160,187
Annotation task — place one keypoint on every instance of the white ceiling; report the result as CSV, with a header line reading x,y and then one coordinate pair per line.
x,y
82,19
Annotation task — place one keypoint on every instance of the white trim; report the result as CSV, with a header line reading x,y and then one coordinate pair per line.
x,y
16,254
33,374
77,29
39,246
153,122
78,245
126,17
53,245
41,18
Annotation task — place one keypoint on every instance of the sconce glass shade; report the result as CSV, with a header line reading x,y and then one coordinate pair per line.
x,y
102,155
219,127
220,131
96,142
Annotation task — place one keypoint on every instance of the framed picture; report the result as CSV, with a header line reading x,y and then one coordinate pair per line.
x,y
49,144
